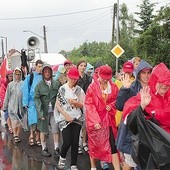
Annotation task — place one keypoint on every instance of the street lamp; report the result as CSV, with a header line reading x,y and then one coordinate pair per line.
x,y
43,37
6,44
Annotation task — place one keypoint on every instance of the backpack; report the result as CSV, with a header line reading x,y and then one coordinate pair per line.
x,y
31,78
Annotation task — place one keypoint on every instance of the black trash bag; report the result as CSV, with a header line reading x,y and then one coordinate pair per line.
x,y
153,141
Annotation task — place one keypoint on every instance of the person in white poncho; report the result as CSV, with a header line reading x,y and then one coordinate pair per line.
x,y
13,103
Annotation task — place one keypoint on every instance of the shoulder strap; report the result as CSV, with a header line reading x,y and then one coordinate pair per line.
x,y
31,78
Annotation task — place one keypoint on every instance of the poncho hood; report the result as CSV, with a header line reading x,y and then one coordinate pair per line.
x,y
160,74
159,105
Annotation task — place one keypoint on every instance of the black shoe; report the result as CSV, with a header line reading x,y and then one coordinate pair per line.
x,y
57,152
45,152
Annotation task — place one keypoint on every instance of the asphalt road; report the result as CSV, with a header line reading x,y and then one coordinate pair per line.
x,y
34,160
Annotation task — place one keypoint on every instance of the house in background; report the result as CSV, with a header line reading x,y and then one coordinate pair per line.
x,y
10,62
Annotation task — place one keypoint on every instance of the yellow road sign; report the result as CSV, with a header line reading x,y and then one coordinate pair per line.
x,y
117,50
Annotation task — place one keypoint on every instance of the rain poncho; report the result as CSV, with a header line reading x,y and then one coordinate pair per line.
x,y
159,104
61,70
124,135
28,96
44,98
125,93
98,140
153,140
13,98
90,69
3,87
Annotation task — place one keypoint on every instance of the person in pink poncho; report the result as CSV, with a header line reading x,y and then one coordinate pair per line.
x,y
100,118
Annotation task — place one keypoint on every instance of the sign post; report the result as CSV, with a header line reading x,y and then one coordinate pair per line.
x,y
117,51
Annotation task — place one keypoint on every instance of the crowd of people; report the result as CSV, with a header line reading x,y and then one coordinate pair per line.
x,y
121,120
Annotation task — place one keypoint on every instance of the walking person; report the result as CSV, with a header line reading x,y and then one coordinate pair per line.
x,y
45,97
69,104
13,103
84,81
3,88
100,118
128,90
28,88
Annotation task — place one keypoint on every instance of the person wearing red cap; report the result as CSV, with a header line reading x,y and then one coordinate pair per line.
x,y
3,87
100,118
69,103
128,67
67,65
127,70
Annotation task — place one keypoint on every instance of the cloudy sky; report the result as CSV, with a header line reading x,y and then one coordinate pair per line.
x,y
69,23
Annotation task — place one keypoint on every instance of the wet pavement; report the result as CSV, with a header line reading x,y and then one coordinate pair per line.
x,y
22,156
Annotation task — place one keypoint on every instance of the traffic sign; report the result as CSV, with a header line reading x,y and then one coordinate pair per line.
x,y
117,50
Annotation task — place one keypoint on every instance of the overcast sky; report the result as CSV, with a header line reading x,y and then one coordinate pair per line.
x,y
64,32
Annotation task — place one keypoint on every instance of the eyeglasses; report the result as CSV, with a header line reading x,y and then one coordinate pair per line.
x,y
17,74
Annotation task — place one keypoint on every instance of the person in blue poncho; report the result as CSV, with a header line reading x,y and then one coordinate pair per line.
x,y
28,88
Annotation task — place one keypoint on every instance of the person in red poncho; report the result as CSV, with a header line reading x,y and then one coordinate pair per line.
x,y
100,118
151,105
3,87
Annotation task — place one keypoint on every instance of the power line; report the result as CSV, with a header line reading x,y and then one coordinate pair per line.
x,y
56,15
82,23
65,14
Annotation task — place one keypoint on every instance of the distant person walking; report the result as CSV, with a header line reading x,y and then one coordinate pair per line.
x,y
3,88
45,97
13,103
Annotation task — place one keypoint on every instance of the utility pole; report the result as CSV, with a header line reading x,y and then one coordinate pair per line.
x,y
113,26
45,39
2,44
117,25
117,32
117,49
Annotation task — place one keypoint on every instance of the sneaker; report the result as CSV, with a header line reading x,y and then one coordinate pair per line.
x,y
61,163
45,152
104,165
74,167
57,152
80,150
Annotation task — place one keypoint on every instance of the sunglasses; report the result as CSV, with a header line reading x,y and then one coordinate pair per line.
x,y
17,74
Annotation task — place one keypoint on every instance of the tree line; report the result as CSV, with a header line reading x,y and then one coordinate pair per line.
x,y
148,37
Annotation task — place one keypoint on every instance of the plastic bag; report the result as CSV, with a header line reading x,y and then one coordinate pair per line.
x,y
154,141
